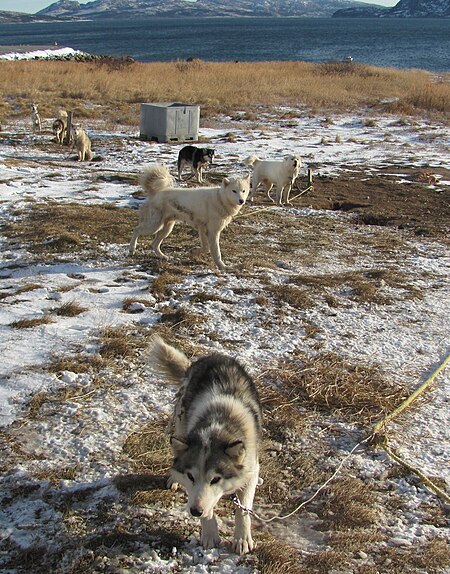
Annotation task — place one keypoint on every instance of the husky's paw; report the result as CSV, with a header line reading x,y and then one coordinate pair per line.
x,y
243,545
210,535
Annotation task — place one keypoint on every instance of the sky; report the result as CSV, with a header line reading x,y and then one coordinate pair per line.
x,y
32,6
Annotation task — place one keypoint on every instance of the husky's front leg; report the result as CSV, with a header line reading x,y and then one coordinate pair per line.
x,y
243,541
209,537
214,248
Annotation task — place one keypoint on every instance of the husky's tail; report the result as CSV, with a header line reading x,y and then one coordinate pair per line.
x,y
168,361
251,160
156,178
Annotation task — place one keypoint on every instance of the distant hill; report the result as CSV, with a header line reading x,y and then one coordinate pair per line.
x,y
403,9
20,17
196,8
130,9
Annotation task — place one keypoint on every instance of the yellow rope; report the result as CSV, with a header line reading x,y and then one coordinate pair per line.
x,y
384,443
431,485
412,397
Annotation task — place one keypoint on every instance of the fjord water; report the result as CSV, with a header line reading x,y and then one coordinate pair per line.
x,y
394,42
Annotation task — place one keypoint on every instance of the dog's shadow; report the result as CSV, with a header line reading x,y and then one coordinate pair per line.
x,y
132,483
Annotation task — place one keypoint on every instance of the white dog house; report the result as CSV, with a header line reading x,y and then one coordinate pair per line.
x,y
169,121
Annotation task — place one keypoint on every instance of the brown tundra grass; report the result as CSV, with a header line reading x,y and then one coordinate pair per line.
x,y
114,93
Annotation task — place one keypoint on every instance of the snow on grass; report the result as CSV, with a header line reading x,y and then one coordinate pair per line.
x,y
72,423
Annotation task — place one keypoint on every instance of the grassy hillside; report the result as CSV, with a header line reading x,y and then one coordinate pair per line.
x,y
113,88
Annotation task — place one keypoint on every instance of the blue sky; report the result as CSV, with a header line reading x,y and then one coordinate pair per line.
x,y
32,6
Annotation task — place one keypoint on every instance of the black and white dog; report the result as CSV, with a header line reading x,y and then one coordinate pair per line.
x,y
215,437
196,158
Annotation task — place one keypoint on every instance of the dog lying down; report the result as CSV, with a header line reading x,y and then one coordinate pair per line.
x,y
281,173
207,209
215,436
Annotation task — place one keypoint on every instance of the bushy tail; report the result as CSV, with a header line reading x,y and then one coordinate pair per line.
x,y
251,160
168,361
156,178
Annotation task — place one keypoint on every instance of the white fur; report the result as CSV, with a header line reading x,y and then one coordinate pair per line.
x,y
281,173
81,141
207,209
35,118
232,421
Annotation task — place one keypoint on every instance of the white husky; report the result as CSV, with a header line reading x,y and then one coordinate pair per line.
x,y
81,141
216,432
281,173
207,209
35,118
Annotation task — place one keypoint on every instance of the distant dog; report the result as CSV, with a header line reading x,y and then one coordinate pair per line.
x,y
81,141
207,209
197,158
215,436
35,119
59,127
281,173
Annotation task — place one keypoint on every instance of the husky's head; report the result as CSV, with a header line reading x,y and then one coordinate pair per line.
x,y
235,189
34,108
294,163
76,130
208,470
208,155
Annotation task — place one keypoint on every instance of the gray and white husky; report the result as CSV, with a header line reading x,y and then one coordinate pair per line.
x,y
215,436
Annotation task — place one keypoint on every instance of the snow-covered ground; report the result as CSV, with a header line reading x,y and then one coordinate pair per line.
x,y
41,54
409,338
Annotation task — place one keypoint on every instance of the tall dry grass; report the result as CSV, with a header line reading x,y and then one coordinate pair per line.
x,y
97,89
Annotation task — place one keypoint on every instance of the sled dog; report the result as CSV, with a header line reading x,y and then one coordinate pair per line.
x,y
196,158
35,118
215,436
59,127
81,141
207,209
281,173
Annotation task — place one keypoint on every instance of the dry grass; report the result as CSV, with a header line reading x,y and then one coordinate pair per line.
x,y
69,309
276,557
31,322
366,286
150,449
356,392
118,343
225,86
79,363
50,228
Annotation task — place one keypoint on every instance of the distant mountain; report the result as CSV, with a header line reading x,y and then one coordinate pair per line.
x,y
403,9
21,17
196,8
131,9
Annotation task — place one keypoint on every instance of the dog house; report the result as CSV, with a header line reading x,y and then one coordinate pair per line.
x,y
169,121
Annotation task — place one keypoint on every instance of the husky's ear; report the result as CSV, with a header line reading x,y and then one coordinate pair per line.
x,y
236,451
225,181
178,446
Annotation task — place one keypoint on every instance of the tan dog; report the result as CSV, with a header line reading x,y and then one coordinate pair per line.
x,y
207,209
81,141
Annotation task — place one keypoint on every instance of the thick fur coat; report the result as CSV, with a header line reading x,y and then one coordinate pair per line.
x,y
207,209
215,437
281,173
